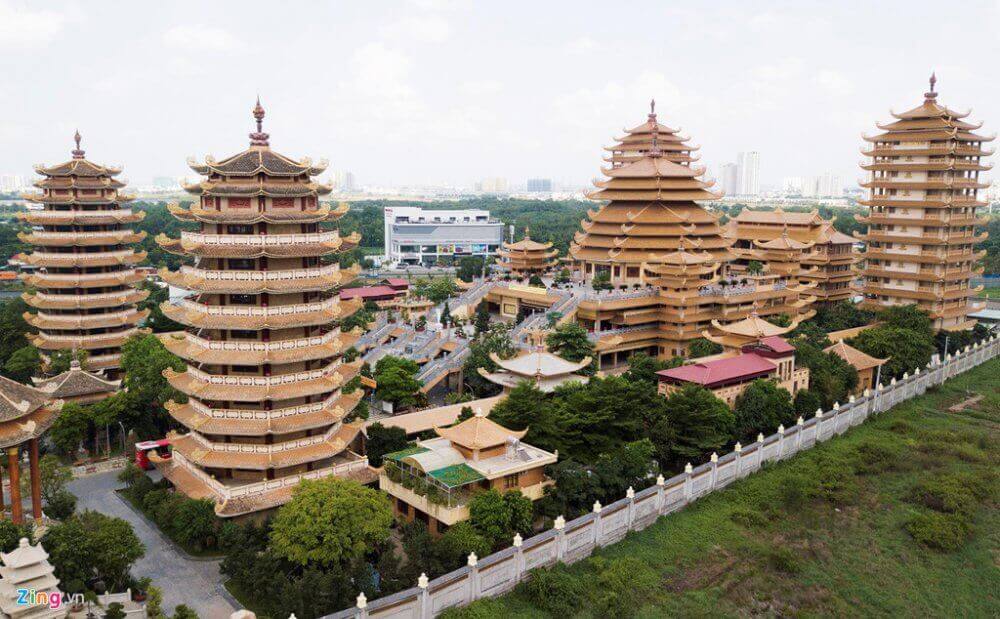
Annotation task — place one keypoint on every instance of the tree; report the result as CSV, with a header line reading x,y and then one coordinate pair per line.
x,y
839,316
906,349
330,522
755,268
70,428
571,342
91,544
195,522
397,383
156,320
563,276
461,539
482,319
436,290
13,327
908,317
831,379
703,347
469,268
115,610
601,281
446,315
11,534
23,364
807,402
535,280
762,407
144,359
780,320
496,340
183,611
61,360
601,415
699,423
383,440
499,516
643,368
54,476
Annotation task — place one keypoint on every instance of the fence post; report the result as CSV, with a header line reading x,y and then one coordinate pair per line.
x,y
687,482
738,450
597,523
424,597
715,470
473,577
798,435
819,421
518,558
630,495
760,450
781,441
362,604
560,525
661,494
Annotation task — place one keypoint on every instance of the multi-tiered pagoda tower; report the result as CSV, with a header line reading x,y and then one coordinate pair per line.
x,y
84,285
665,256
527,256
638,141
265,378
923,194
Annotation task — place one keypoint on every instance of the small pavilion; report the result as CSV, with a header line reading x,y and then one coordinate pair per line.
x,y
526,256
25,413
866,365
27,567
77,385
546,370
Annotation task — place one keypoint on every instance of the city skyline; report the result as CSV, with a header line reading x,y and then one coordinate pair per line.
x,y
382,89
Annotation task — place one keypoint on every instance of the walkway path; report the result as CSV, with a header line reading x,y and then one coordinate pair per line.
x,y
198,584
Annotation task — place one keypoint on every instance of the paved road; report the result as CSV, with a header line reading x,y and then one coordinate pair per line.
x,y
182,580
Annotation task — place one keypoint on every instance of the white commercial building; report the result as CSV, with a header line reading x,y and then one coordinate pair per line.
x,y
749,166
417,236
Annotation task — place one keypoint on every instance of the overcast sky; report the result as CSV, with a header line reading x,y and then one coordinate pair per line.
x,y
429,91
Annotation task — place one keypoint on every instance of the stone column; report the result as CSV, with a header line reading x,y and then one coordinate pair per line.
x,y
597,523
473,577
518,558
14,465
630,495
424,597
36,481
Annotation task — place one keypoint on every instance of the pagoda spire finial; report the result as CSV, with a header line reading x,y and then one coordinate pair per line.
x,y
259,138
78,153
652,110
932,93
654,150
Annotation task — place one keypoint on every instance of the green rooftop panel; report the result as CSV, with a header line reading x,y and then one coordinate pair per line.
x,y
456,475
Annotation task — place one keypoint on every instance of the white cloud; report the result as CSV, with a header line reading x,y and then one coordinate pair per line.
x,y
202,37
20,26
427,29
834,82
481,87
581,45
603,107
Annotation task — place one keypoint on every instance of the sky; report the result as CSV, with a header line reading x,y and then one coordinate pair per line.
x,y
429,92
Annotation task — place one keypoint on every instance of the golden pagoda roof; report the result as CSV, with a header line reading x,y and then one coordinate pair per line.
x,y
90,218
258,187
257,245
17,400
254,282
191,347
784,242
321,213
88,259
752,326
82,239
252,318
239,388
44,321
526,244
648,136
240,422
82,280
479,432
87,301
76,382
77,166
858,359
540,364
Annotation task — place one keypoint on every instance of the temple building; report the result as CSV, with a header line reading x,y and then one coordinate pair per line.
x,y
25,413
77,385
923,186
265,378
539,367
528,257
727,376
434,480
736,335
84,276
866,365
670,269
803,243
27,568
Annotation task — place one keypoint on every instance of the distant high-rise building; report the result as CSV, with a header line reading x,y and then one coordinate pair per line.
x,y
495,184
537,185
792,185
730,179
343,181
823,186
9,183
165,182
749,173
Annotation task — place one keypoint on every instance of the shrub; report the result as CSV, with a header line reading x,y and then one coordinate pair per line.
x,y
151,502
621,583
747,517
873,456
783,560
554,590
944,532
61,506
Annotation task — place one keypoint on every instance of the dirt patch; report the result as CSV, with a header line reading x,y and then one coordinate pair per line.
x,y
964,404
701,576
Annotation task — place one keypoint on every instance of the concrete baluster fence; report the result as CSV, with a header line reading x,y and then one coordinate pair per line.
x,y
572,541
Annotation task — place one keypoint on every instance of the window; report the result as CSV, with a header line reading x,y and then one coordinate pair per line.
x,y
238,202
240,334
242,264
511,481
283,202
242,299
239,229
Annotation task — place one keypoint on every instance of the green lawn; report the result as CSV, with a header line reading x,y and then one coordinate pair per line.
x,y
821,534
990,293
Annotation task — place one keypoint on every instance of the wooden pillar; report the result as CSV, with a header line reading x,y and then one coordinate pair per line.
x,y
36,481
3,508
13,465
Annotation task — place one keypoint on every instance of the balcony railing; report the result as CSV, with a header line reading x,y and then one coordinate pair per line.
x,y
262,381
263,240
238,346
262,415
260,276
254,310
251,448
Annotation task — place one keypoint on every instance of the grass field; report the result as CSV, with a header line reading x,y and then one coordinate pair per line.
x,y
990,293
824,533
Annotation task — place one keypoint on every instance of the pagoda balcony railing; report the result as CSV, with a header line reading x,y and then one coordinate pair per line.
x,y
224,492
262,415
252,448
85,277
90,338
73,257
256,310
261,276
618,295
69,236
96,359
84,317
264,240
254,346
262,381
597,335
62,214
82,298
716,290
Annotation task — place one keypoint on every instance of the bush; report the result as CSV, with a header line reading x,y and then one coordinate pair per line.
x,y
783,560
944,532
554,590
621,583
874,456
748,518
953,493
61,506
